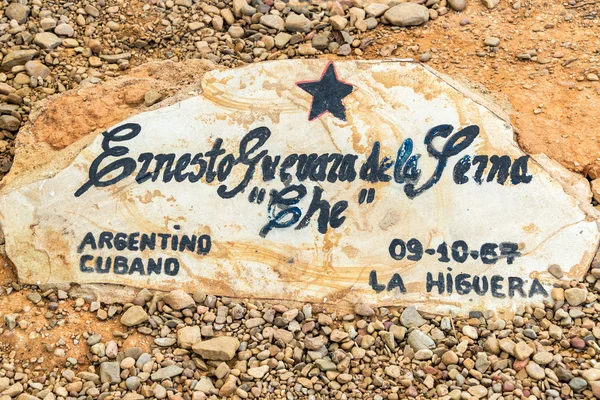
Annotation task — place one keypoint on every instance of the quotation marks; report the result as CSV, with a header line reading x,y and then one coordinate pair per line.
x,y
257,195
366,195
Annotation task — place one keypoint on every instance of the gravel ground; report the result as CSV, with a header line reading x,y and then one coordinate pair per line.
x,y
203,346
50,46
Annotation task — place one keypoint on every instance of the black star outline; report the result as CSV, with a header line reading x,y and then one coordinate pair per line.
x,y
328,94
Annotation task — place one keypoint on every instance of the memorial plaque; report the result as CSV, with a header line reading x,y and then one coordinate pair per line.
x,y
377,182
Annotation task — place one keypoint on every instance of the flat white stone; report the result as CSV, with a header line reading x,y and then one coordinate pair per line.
x,y
385,225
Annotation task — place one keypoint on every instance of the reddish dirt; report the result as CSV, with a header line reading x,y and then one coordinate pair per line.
x,y
77,321
84,110
555,84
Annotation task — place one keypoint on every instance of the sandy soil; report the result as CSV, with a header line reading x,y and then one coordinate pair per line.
x,y
555,109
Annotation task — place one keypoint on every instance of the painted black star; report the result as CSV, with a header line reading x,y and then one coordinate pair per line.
x,y
327,94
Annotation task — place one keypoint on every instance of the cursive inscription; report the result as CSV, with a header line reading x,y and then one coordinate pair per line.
x,y
296,171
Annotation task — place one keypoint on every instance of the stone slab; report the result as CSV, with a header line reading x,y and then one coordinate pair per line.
x,y
417,194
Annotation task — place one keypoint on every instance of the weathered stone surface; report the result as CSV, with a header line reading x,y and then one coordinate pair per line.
x,y
204,385
17,57
591,375
376,9
449,358
228,387
314,343
37,68
419,340
64,30
407,14
152,97
133,316
187,336
13,390
272,21
364,310
405,228
48,23
166,372
47,40
17,11
338,22
179,299
522,351
576,296
282,39
258,372
6,88
457,5
535,371
221,348
115,58
411,318
165,342
110,372
9,123
490,3
543,357
297,23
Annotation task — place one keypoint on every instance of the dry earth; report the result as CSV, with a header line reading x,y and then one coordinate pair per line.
x,y
555,108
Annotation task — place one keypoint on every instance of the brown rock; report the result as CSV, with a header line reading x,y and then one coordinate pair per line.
x,y
37,68
134,315
576,296
307,383
47,40
188,336
179,299
363,310
578,343
221,348
17,57
152,97
95,61
314,343
94,107
6,89
17,11
449,358
95,46
9,123
229,386
522,351
556,271
22,79
595,386
407,14
490,3
518,365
